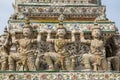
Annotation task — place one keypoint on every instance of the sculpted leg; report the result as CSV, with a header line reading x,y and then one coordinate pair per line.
x,y
116,63
14,60
37,63
40,63
4,63
11,63
86,61
52,60
67,64
104,64
31,63
73,64
49,61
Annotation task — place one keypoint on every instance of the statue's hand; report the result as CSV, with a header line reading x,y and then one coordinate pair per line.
x,y
74,56
73,31
8,35
81,33
49,31
40,32
41,55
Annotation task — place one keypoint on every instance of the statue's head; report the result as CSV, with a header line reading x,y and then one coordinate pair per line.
x,y
96,31
61,30
27,29
11,77
60,76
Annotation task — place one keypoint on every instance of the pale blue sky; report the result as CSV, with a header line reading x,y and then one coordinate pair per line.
x,y
113,11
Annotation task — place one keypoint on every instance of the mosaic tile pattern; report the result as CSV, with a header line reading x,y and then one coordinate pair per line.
x,y
60,76
69,26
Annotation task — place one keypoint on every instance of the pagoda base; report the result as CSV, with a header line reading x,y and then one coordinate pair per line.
x,y
61,75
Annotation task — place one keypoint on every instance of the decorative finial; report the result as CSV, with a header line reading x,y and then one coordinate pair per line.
x,y
27,20
60,26
27,23
61,17
96,26
95,23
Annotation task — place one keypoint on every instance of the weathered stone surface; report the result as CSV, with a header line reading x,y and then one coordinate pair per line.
x,y
60,36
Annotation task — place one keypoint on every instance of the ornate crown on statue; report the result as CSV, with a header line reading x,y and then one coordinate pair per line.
x,y
61,19
27,23
96,26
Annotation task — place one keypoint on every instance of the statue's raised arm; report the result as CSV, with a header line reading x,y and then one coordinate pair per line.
x,y
48,39
83,40
96,58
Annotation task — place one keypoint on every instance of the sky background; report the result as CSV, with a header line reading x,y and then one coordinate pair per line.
x,y
112,12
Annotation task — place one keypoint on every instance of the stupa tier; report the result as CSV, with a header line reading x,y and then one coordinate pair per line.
x,y
43,14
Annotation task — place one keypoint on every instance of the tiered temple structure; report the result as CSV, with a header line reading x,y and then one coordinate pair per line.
x,y
60,35
79,14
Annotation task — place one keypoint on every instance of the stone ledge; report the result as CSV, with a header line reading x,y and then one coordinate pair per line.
x,y
53,75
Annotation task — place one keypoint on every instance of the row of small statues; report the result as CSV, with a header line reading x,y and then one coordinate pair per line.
x,y
61,59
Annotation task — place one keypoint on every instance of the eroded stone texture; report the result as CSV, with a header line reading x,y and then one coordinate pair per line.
x,y
60,35
96,58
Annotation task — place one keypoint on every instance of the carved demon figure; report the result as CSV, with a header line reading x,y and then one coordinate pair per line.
x,y
61,54
113,52
96,58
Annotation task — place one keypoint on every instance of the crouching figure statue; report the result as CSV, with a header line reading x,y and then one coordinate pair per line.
x,y
96,58
61,55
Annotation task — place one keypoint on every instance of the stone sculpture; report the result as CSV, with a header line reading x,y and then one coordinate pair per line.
x,y
96,58
26,54
113,52
39,44
5,49
60,52
28,57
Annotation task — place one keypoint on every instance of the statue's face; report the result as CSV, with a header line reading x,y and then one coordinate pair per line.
x,y
61,32
60,76
12,78
27,32
96,33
